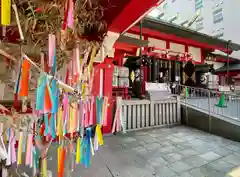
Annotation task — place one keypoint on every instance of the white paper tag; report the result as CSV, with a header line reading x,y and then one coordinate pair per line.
x,y
4,172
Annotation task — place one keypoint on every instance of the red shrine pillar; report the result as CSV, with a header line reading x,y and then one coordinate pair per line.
x,y
102,86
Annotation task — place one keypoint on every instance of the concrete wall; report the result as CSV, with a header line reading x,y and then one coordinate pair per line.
x,y
202,121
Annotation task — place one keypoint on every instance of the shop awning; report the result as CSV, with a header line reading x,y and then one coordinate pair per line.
x,y
165,30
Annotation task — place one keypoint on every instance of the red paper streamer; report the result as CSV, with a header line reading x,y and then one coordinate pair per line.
x,y
64,26
47,101
25,78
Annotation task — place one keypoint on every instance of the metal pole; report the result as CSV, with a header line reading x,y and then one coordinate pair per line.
x,y
209,112
141,26
228,45
141,73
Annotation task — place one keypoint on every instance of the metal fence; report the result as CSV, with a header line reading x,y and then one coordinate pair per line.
x,y
142,114
212,102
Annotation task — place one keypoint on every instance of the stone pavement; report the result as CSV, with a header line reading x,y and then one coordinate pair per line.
x,y
168,152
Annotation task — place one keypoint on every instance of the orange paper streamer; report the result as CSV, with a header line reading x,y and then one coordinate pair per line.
x,y
25,78
61,165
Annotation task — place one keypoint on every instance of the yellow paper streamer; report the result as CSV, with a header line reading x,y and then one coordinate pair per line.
x,y
59,156
78,154
93,54
83,89
74,122
104,110
5,138
59,124
44,167
234,173
6,12
19,157
99,135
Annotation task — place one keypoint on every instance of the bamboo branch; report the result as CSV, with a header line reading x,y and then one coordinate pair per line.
x,y
2,52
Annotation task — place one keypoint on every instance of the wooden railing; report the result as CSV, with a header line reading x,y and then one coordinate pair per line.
x,y
141,114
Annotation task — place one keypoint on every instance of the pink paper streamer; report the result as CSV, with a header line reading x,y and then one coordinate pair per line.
x,y
117,123
86,123
65,107
31,158
95,142
85,58
118,128
77,58
78,114
13,154
70,71
70,20
8,162
82,113
105,107
51,48
91,111
76,123
29,150
74,63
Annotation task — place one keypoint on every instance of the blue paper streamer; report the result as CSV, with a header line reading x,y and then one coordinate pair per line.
x,y
99,104
24,142
55,96
36,155
88,147
54,68
53,126
82,147
41,92
18,80
46,124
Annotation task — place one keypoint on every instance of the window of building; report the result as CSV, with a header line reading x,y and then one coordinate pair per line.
x,y
217,16
198,4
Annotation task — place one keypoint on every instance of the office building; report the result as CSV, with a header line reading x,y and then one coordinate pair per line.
x,y
217,18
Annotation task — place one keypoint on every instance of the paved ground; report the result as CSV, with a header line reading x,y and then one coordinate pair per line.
x,y
168,152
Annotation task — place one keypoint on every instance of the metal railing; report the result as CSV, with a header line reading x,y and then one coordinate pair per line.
x,y
208,101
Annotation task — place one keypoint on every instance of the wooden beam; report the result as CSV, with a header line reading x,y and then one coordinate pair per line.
x,y
133,41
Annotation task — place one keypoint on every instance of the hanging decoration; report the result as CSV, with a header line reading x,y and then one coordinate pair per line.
x,y
65,113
